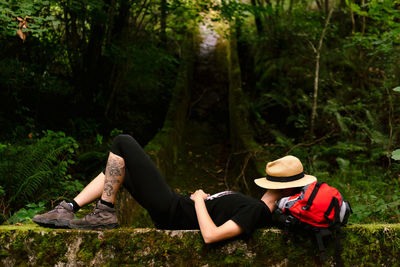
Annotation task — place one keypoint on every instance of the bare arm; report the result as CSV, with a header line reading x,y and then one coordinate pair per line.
x,y
210,232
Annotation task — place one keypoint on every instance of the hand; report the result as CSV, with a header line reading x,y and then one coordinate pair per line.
x,y
271,196
199,195
275,193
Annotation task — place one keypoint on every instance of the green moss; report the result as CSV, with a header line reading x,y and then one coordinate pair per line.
x,y
49,247
380,244
88,249
32,245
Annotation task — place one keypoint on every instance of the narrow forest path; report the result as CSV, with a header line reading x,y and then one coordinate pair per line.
x,y
206,136
203,143
194,149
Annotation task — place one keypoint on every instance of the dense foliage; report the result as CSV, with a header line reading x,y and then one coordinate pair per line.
x,y
356,128
37,170
85,68
80,61
321,80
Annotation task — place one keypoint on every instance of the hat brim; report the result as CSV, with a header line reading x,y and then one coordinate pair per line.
x,y
264,183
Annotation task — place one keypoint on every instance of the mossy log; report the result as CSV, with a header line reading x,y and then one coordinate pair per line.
x,y
363,245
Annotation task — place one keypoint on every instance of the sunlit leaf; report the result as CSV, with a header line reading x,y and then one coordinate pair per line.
x,y
396,154
343,163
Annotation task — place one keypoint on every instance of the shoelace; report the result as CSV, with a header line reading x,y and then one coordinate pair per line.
x,y
94,212
58,207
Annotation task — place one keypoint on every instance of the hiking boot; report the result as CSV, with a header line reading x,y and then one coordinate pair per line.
x,y
58,217
102,217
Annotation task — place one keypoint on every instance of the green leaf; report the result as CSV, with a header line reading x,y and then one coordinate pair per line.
x,y
31,205
396,154
396,89
344,164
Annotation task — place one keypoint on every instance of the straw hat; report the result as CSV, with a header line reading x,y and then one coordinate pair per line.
x,y
286,172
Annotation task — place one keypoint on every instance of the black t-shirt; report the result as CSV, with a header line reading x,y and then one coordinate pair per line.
x,y
249,213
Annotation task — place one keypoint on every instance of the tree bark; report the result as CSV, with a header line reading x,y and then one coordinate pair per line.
x,y
91,75
363,19
290,6
319,4
73,41
241,133
165,146
163,22
257,18
117,67
326,6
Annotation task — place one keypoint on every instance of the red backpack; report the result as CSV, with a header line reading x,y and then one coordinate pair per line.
x,y
318,207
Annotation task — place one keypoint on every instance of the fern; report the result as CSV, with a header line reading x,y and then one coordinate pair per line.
x,y
28,171
36,171
26,190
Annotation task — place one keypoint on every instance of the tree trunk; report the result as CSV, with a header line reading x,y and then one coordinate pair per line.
x,y
290,6
317,51
257,18
91,76
244,147
118,67
163,22
164,147
73,41
363,19
326,6
318,2
166,144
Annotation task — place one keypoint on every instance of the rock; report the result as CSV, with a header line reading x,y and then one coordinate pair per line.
x,y
34,245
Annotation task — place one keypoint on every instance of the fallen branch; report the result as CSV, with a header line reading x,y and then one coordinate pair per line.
x,y
226,171
249,153
312,143
242,172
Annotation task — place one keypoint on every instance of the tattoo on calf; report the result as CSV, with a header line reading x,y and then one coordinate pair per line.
x,y
115,170
108,189
115,167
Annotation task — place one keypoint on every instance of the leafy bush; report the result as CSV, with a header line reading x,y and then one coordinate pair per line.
x,y
35,13
36,171
372,200
25,215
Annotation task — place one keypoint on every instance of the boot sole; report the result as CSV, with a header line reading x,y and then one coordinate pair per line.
x,y
55,223
94,227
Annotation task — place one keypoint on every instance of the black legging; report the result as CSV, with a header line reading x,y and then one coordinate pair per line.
x,y
143,180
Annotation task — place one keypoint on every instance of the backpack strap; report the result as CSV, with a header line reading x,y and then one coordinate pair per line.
x,y
333,205
287,220
344,217
338,248
312,196
319,235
